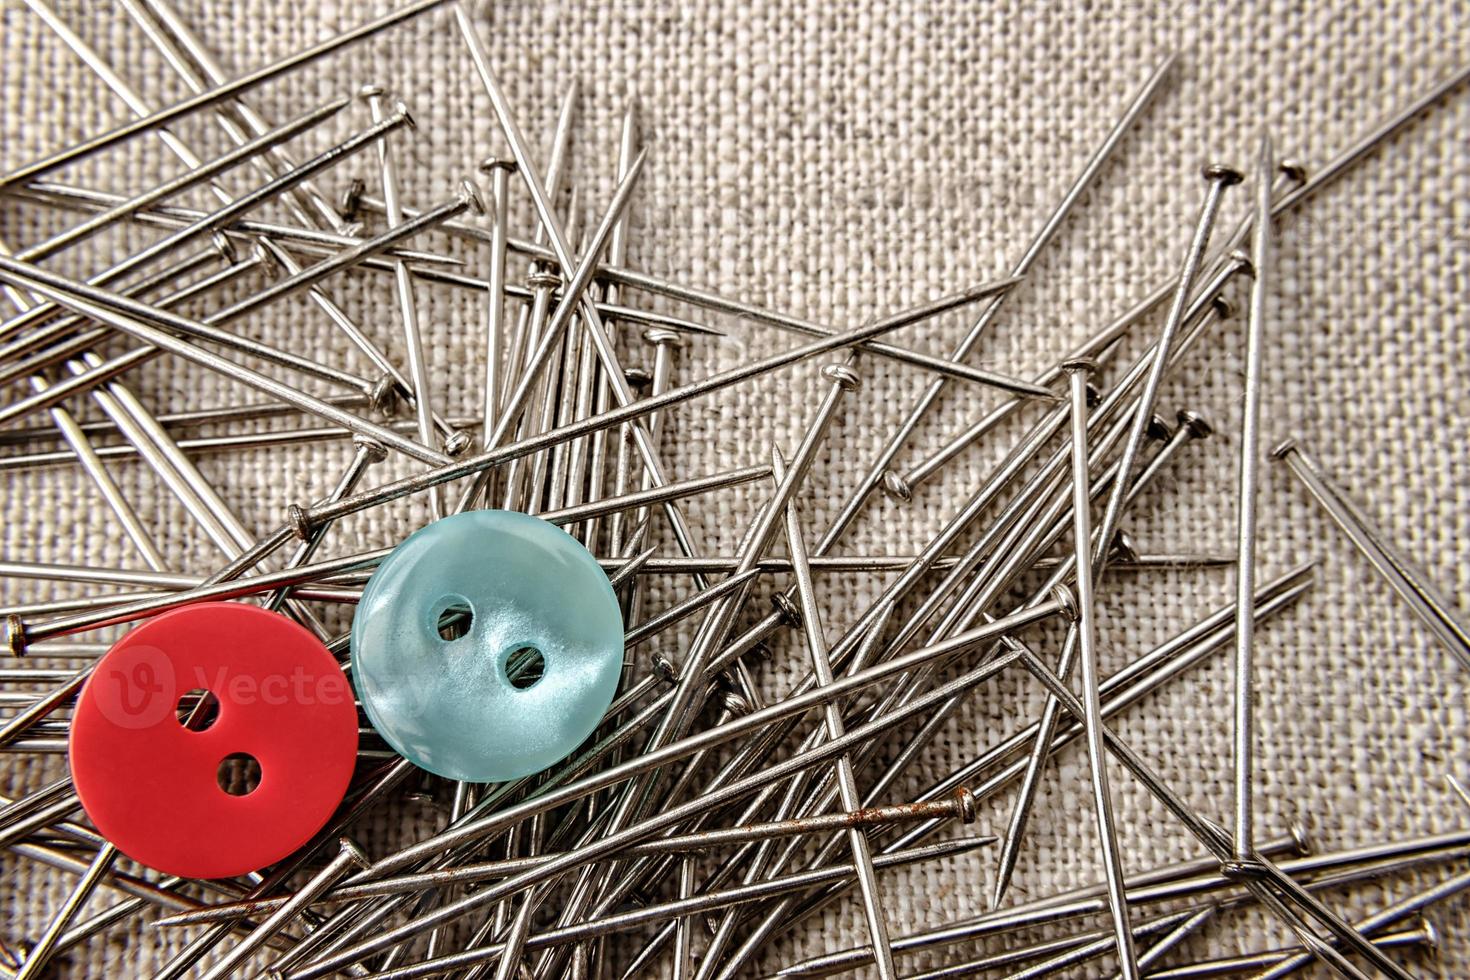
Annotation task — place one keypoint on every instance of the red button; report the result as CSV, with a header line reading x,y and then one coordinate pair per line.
x,y
152,786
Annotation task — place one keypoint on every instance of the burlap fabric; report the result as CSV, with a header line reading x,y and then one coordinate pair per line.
x,y
840,161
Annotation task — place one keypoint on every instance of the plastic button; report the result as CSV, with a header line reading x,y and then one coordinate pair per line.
x,y
487,646
159,790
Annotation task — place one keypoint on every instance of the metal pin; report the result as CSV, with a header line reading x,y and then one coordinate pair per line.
x,y
84,342
17,365
176,185
1077,372
811,621
617,252
885,603
1020,954
288,437
349,855
1384,130
1025,510
653,625
665,344
1424,935
465,198
212,96
500,171
184,419
1164,944
610,844
618,569
418,369
294,183
874,477
572,295
222,216
1219,178
311,241
612,313
1243,860
184,52
127,518
1412,586
40,954
1098,947
581,405
70,294
172,466
1112,400
1458,788
1191,426
633,410
1393,914
616,275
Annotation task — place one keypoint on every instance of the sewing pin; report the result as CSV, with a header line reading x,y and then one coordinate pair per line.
x,y
1411,585
1242,861
212,96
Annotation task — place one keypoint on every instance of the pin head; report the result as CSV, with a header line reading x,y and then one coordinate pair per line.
x,y
1432,942
1066,602
662,336
1284,449
1197,424
790,612
470,194
457,442
1159,428
1222,172
213,740
897,487
15,635
841,374
487,646
224,247
1293,169
491,164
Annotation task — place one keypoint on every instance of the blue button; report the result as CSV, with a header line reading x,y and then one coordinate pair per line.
x,y
487,646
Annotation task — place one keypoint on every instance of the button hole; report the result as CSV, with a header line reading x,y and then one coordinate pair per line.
x,y
197,709
238,774
455,618
524,667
